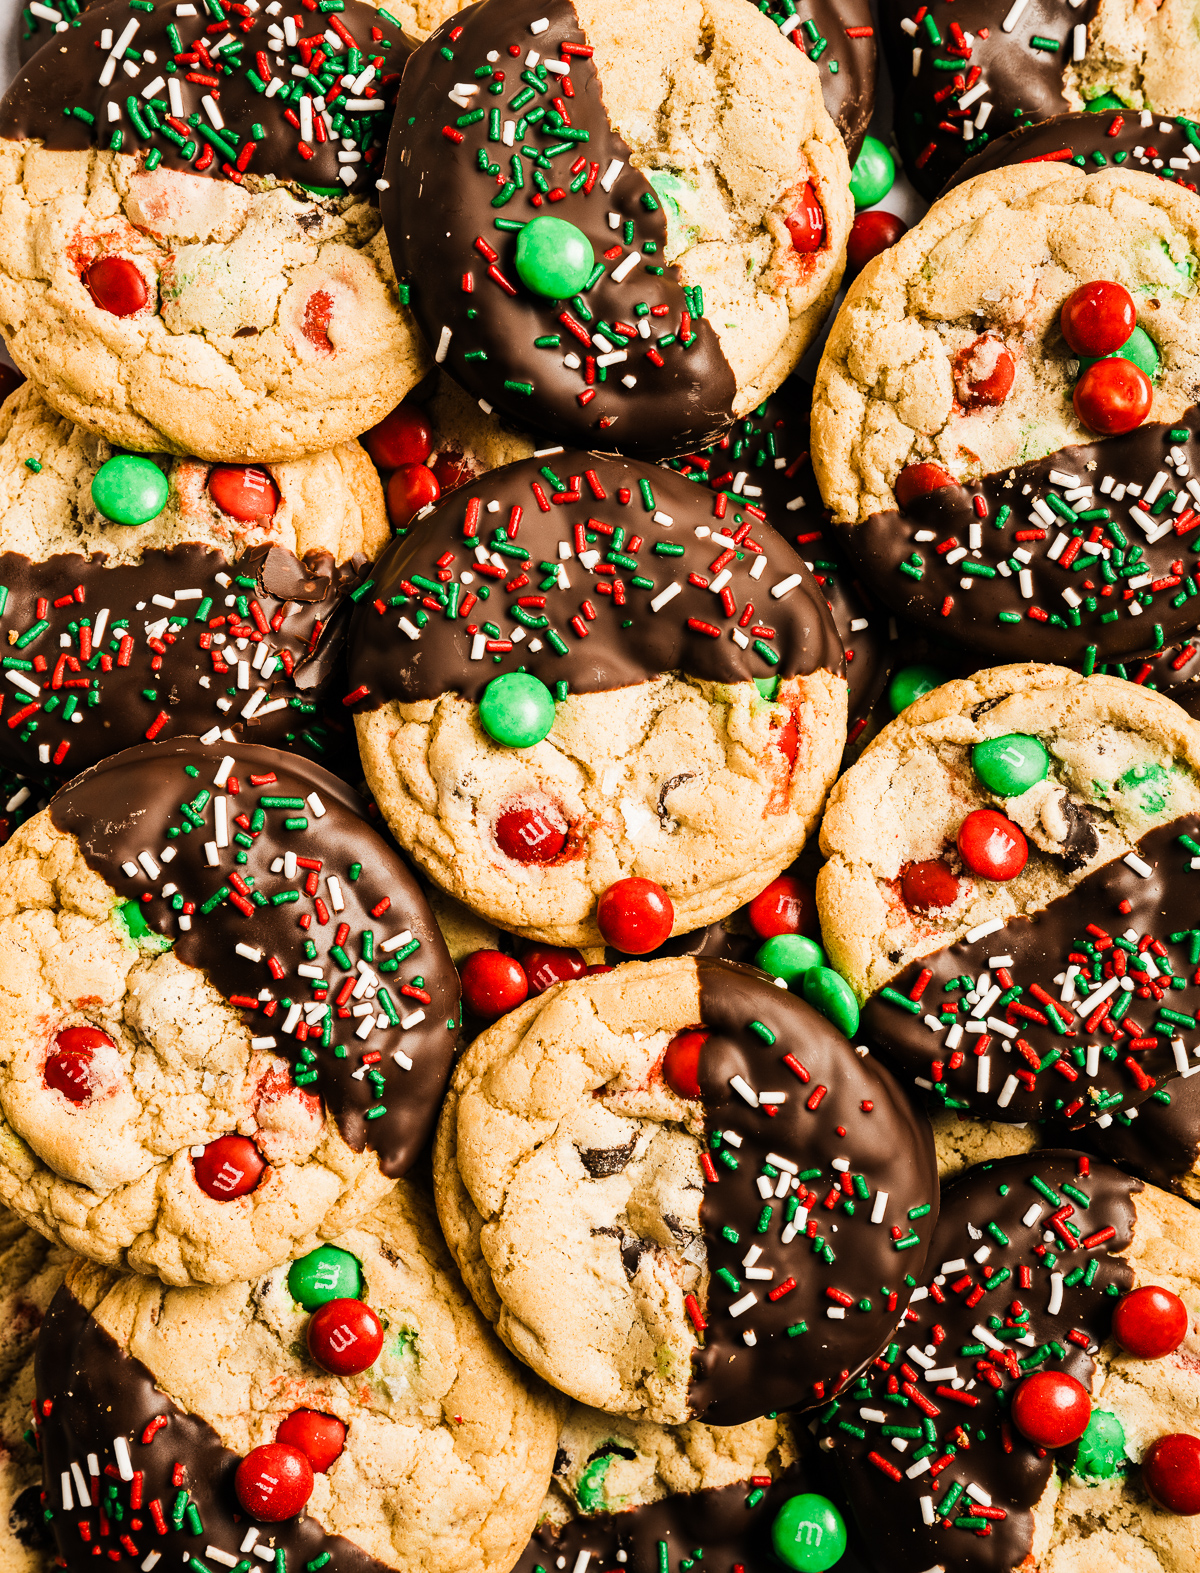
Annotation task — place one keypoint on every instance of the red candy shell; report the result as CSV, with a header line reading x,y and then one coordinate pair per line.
x,y
635,915
319,1437
273,1482
403,437
345,1337
1171,1473
116,285
492,983
229,1167
1150,1322
243,491
1051,1408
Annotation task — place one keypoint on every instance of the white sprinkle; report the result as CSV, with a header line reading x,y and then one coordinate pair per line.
x,y
660,600
408,1022
409,628
927,1513
967,99
396,940
979,1494
1014,15
209,104
916,62
778,591
760,1274
919,1468
625,267
1078,41
783,1163
153,87
154,1557
609,178
539,26
945,1373
1131,860
983,1073
25,684
223,770
760,564
880,1206
1180,1054
68,1501
744,1304
744,1090
220,1556
129,869
919,1357
836,1313
982,930
252,1535
315,803
1155,486
1006,1092
443,344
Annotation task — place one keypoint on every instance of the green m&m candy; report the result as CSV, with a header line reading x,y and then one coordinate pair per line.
x,y
327,1273
1139,347
789,956
516,710
874,174
910,683
130,489
554,258
809,1534
1105,101
1011,764
827,991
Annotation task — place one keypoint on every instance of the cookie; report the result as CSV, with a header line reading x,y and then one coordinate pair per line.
x,y
31,1271
362,1373
226,1034
638,1226
147,598
1008,894
678,183
629,1492
250,313
1094,140
969,493
661,731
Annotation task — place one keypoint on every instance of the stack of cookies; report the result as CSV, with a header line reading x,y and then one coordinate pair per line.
x,y
724,1103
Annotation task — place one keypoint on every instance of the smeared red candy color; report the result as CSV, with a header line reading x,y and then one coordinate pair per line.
x,y
409,489
318,314
229,1167
1051,1408
1113,396
452,468
1171,1473
1150,1322
928,885
531,830
116,285
871,235
635,915
243,491
991,845
403,437
787,906
918,480
549,964
681,1063
1097,318
806,222
319,1437
786,737
345,1337
273,1482
983,373
492,983
68,1064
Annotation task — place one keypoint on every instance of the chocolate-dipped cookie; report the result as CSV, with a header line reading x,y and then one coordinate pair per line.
x,y
838,36
191,259
1009,889
147,598
581,670
1005,474
579,253
640,1226
351,1405
1159,1141
229,1013
1093,140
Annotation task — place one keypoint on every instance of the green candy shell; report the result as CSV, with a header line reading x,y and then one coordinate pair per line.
x,y
1105,101
129,489
554,258
874,174
1101,1447
809,1534
1011,764
516,710
1139,348
789,956
328,1273
827,991
911,682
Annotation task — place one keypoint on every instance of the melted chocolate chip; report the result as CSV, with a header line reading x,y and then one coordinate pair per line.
x,y
816,1237
982,1251
452,211
603,1161
130,806
64,95
25,1521
1092,140
601,631
1035,1070
1080,600
90,1391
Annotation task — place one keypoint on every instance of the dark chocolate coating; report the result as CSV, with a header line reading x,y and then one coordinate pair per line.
x,y
36,30
890,1147
89,1390
1092,140
127,804
66,76
1040,947
33,793
1161,1144
1000,1461
1180,682
311,595
885,540
778,429
439,201
392,665
1023,83
847,65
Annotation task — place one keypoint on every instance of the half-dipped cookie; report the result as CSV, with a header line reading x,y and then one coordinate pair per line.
x,y
350,1405
152,597
580,672
191,259
678,1191
1004,419
624,231
1009,890
229,1014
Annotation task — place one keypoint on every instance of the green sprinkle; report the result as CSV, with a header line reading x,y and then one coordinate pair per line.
x,y
763,1031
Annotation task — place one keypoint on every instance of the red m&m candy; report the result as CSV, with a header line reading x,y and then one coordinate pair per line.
x,y
1150,1322
991,845
411,488
68,1064
1051,1408
244,491
229,1167
1113,396
635,915
492,983
531,830
871,235
116,285
681,1063
1097,318
403,437
273,1482
918,480
983,373
319,1437
786,906
806,222
1171,1473
546,965
345,1337
928,885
